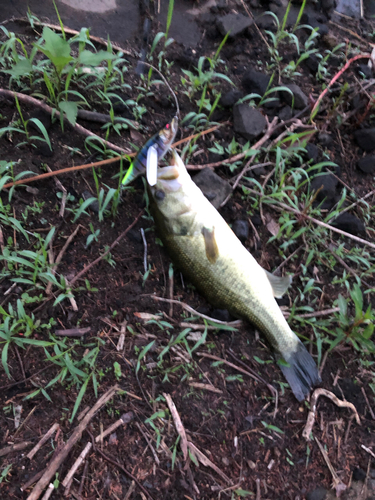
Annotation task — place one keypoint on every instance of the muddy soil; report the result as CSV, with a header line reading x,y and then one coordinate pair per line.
x,y
254,440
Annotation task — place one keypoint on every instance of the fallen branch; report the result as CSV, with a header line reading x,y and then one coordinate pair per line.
x,y
178,424
76,435
44,439
73,332
123,420
60,256
185,444
235,324
14,447
100,163
270,129
312,413
78,128
336,77
70,31
272,390
278,205
116,242
76,464
336,481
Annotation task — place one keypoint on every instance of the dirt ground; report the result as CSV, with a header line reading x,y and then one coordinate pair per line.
x,y
252,440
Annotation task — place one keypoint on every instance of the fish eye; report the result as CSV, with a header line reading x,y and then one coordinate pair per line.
x,y
159,195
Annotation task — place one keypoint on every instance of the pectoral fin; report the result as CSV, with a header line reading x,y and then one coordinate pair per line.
x,y
279,284
212,251
152,165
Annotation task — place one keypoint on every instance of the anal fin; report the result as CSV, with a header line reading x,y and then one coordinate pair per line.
x,y
279,284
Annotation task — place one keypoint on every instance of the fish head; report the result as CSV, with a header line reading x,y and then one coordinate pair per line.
x,y
172,192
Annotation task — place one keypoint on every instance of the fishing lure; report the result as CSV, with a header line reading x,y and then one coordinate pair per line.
x,y
151,152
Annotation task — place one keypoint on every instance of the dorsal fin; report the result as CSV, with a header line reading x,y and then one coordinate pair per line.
x,y
212,251
279,284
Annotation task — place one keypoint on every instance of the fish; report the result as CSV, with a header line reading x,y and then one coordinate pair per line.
x,y
152,151
209,254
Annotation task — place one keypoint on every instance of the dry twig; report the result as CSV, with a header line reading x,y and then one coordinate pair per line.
x,y
336,481
76,435
312,413
44,439
76,464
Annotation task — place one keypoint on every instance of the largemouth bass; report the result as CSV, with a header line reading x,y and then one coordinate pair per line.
x,y
210,255
157,145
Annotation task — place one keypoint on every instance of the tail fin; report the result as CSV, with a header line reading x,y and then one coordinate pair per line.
x,y
300,371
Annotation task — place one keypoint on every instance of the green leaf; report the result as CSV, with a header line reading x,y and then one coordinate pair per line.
x,y
43,130
343,306
88,58
70,109
4,358
79,398
56,49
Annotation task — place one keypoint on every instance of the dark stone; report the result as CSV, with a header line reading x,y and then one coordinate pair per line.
x,y
221,315
365,138
94,205
146,29
300,99
213,187
256,220
367,164
248,122
43,117
349,223
312,152
319,493
255,82
118,103
314,22
187,58
325,139
44,150
234,24
214,157
329,183
229,99
328,5
285,114
312,63
359,474
241,229
365,70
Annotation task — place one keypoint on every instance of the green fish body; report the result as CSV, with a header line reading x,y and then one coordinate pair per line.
x,y
210,255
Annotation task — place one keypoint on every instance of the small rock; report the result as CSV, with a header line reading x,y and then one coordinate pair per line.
x,y
221,315
256,220
363,69
44,150
234,24
359,474
325,139
312,63
213,187
241,229
43,117
225,461
312,152
311,20
319,493
229,99
367,164
255,82
328,5
349,223
328,183
118,103
248,122
365,138
94,205
299,99
285,114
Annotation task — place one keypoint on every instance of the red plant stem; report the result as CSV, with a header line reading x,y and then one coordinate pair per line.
x,y
337,76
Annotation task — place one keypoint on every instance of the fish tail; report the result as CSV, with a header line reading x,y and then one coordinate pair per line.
x,y
300,370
